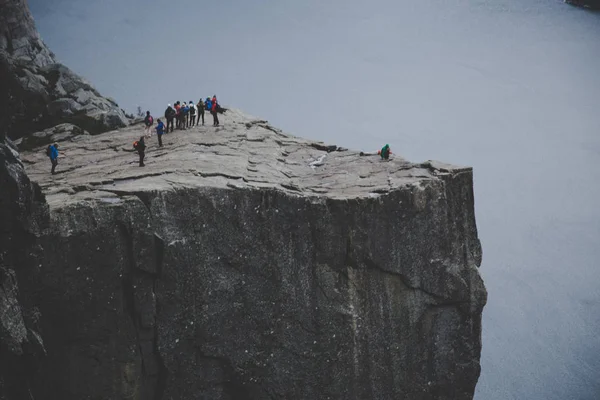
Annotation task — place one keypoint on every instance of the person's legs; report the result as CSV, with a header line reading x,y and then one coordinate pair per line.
x,y
202,118
159,140
217,118
54,164
142,155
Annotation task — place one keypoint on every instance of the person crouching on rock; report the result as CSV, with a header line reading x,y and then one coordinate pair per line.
x,y
160,129
140,146
385,152
52,152
148,121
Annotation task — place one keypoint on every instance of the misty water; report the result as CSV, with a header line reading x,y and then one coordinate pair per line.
x,y
510,87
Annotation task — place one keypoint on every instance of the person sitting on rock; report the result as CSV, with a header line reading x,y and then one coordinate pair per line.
x,y
200,108
140,146
169,115
385,152
52,152
148,121
160,129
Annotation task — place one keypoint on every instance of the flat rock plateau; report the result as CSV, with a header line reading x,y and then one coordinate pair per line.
x,y
241,263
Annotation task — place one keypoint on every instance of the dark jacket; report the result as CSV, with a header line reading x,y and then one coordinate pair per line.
x,y
141,145
169,113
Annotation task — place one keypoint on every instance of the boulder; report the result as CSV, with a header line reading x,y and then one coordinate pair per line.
x,y
38,92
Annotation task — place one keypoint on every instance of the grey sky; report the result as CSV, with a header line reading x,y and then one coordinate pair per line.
x,y
510,87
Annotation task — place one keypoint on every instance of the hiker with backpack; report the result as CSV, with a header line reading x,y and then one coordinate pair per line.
x,y
52,153
148,121
208,104
177,114
200,107
192,114
160,129
169,115
140,147
214,111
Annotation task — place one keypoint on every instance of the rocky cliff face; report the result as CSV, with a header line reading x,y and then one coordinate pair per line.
x,y
240,263
36,92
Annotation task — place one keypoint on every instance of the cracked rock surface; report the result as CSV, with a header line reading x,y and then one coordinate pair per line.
x,y
245,263
36,91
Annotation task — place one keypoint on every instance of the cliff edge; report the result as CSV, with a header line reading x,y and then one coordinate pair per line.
x,y
240,263
245,263
37,92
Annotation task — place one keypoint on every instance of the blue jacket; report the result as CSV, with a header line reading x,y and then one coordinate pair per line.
x,y
53,153
208,105
160,128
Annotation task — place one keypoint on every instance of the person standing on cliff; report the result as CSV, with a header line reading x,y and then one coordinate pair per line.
x,y
192,114
169,115
140,146
148,121
160,129
52,152
177,114
214,111
200,107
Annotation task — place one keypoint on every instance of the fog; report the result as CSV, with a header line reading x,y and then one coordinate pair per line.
x,y
510,87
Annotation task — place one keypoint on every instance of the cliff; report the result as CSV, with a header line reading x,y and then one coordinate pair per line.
x,y
240,263
36,92
243,263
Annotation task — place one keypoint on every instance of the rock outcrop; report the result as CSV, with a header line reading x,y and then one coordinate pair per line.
x,y
36,92
242,263
23,213
593,4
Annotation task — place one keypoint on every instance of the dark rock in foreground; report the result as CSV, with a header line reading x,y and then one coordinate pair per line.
x,y
243,263
37,92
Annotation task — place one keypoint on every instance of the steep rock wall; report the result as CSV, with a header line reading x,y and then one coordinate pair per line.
x,y
36,92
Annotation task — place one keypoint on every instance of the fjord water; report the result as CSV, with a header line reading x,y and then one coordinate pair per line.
x,y
510,87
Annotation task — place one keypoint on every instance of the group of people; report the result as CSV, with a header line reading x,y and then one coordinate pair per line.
x,y
181,116
185,115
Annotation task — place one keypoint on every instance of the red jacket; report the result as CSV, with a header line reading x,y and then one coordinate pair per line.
x,y
214,103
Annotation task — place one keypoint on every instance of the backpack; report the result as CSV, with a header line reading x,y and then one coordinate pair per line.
x,y
48,150
135,144
150,120
192,111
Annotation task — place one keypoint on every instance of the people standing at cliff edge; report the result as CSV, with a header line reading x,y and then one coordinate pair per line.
x,y
148,121
52,153
192,113
140,147
169,115
200,108
160,129
214,110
